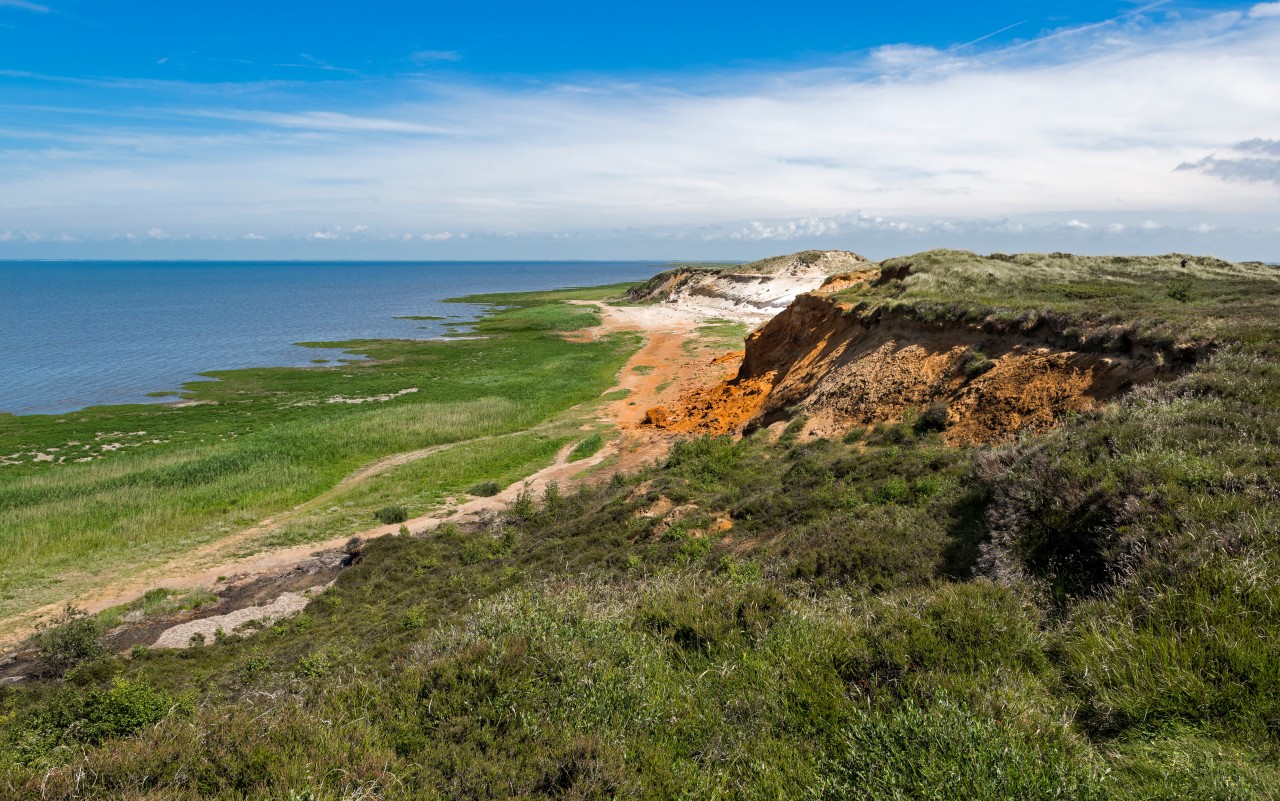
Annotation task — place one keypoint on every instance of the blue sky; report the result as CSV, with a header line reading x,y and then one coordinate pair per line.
x,y
654,130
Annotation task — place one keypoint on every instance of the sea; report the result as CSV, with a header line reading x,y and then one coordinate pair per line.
x,y
78,334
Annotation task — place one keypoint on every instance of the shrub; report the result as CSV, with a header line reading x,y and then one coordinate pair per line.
x,y
391,514
793,428
70,638
523,507
1055,520
415,618
976,364
1180,290
314,665
889,434
933,418
485,489
74,715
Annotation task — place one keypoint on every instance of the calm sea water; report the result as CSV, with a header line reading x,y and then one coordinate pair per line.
x,y
76,334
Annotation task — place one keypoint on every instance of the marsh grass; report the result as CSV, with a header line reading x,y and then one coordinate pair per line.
x,y
271,438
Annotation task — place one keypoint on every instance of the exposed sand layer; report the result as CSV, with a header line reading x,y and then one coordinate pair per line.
x,y
841,369
749,293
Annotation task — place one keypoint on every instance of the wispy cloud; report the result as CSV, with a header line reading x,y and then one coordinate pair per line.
x,y
429,56
312,63
1039,135
324,121
25,6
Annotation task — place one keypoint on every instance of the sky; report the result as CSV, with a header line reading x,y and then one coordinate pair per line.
x,y
656,130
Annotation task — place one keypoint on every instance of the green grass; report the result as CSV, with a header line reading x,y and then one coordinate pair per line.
x,y
717,334
1100,302
588,447
269,438
1086,613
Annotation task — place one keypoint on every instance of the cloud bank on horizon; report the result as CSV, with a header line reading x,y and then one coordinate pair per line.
x,y
1153,130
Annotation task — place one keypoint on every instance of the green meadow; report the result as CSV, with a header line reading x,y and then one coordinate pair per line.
x,y
124,487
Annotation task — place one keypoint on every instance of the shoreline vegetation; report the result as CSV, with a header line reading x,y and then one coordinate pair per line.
x,y
142,483
1086,611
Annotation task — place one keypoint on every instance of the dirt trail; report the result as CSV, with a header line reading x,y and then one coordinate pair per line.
x,y
678,359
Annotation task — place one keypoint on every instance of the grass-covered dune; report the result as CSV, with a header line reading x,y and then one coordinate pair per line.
x,y
1088,613
142,483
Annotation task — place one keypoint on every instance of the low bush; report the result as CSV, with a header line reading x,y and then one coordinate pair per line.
x,y
976,364
934,418
388,515
485,489
74,715
69,639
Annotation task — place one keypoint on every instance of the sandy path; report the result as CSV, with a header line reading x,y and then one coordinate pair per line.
x,y
675,368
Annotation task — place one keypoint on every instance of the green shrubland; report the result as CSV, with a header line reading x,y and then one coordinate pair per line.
x,y
1086,613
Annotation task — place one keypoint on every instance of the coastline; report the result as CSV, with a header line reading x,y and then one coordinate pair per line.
x,y
116,333
138,484
525,455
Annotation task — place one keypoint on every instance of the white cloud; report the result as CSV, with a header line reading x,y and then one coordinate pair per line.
x,y
324,121
1252,161
1264,10
25,6
1083,226
1027,136
428,56
157,233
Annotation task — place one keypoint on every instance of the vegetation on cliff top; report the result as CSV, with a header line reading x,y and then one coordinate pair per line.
x,y
1099,301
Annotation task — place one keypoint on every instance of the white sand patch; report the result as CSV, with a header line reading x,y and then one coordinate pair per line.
x,y
372,398
287,605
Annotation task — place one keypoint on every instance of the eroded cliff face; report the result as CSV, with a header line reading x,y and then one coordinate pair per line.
x,y
843,368
749,292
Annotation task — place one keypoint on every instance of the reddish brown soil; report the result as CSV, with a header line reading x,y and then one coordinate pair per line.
x,y
842,369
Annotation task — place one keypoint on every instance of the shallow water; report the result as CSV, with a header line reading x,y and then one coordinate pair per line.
x,y
76,334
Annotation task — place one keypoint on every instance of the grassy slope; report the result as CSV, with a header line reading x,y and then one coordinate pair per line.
x,y
272,440
1151,299
1086,614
